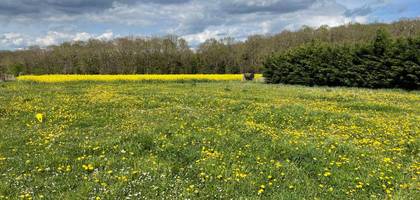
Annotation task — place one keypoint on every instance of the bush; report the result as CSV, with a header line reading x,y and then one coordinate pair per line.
x,y
384,63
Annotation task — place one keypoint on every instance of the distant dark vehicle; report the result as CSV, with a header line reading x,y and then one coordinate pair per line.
x,y
249,76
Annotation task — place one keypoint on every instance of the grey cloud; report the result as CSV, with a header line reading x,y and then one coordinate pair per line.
x,y
363,11
233,12
271,6
166,1
41,7
10,7
69,7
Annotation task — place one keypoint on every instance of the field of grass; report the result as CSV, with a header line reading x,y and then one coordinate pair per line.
x,y
207,140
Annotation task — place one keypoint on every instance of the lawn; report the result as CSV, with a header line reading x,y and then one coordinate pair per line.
x,y
206,140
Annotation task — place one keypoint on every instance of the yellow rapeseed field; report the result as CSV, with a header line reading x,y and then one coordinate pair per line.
x,y
138,77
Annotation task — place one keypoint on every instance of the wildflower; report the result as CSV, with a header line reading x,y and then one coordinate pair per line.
x,y
39,117
88,167
327,174
122,178
261,190
387,160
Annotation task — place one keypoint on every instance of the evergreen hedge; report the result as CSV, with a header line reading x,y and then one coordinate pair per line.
x,y
382,63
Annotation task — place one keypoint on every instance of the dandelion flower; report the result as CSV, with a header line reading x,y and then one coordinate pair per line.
x,y
88,167
39,117
260,191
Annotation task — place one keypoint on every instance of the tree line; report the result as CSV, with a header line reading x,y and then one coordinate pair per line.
x,y
381,63
172,54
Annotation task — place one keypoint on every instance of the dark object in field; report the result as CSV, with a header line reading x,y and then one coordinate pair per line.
x,y
249,76
6,77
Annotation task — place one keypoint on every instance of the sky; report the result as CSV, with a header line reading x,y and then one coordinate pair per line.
x,y
25,23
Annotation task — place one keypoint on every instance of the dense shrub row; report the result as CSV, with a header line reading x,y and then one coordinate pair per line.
x,y
382,63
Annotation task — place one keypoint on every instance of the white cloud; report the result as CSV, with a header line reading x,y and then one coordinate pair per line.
x,y
201,37
83,36
52,37
105,36
16,40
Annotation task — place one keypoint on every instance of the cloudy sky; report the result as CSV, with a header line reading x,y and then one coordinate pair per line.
x,y
45,22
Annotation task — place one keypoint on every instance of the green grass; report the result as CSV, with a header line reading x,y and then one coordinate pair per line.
x,y
212,140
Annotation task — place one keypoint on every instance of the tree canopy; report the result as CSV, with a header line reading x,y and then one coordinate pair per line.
x,y
172,54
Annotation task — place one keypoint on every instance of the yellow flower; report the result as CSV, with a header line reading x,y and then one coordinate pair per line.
x,y
260,191
138,77
88,167
39,117
327,174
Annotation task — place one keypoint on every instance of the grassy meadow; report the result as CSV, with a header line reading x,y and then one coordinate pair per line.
x,y
206,140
